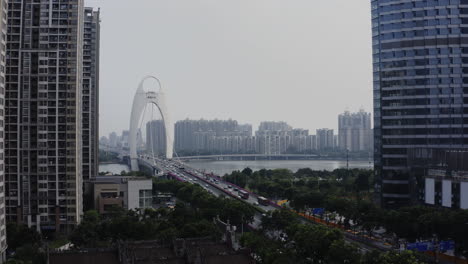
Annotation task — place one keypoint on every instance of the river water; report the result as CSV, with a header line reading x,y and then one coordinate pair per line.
x,y
223,167
113,168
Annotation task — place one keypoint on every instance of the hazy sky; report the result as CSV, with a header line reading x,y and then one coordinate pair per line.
x,y
301,61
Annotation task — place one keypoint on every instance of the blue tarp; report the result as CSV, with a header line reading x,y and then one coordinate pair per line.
x,y
318,211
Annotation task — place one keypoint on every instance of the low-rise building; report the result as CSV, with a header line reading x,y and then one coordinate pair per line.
x,y
441,177
127,192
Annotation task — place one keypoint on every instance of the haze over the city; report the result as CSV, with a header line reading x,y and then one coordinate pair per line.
x,y
300,61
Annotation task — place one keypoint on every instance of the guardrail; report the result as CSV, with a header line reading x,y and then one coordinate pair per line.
x,y
225,191
240,188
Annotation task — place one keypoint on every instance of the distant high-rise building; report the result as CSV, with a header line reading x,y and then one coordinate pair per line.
x,y
325,139
124,143
420,88
275,138
156,138
43,125
355,131
90,132
274,126
113,139
210,136
104,141
312,142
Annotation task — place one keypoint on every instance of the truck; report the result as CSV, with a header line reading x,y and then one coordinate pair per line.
x,y
243,194
263,201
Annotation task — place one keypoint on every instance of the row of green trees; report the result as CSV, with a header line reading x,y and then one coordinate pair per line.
x,y
346,193
284,184
191,217
107,156
207,205
411,223
283,239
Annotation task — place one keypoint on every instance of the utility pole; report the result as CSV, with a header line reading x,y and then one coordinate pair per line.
x,y
347,163
242,225
347,159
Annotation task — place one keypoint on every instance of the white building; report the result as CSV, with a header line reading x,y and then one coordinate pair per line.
x,y
355,131
123,191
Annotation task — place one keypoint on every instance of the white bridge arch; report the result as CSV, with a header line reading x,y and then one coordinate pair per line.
x,y
140,101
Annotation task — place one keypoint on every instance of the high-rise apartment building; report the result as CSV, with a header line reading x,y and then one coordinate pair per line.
x,y
420,88
273,138
43,140
325,139
113,139
274,126
124,139
90,106
355,131
3,33
210,136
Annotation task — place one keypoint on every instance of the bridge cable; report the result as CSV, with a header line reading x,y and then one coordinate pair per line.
x,y
141,122
151,132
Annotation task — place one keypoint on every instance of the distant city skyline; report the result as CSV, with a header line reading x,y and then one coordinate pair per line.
x,y
217,136
279,62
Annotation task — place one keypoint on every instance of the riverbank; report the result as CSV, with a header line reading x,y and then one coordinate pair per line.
x,y
114,168
223,167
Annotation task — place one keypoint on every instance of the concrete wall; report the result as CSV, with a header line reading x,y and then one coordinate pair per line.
x,y
133,194
104,187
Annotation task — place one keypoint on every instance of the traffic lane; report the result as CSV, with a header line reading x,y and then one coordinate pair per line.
x,y
257,219
253,200
219,186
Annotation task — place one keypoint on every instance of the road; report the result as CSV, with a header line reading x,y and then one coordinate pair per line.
x,y
218,187
214,185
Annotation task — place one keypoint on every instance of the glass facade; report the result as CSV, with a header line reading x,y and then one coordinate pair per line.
x,y
145,198
420,62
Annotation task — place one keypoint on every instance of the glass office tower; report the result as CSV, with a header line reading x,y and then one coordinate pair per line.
x,y
420,60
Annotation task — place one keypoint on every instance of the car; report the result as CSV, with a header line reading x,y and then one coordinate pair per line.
x,y
206,185
256,203
235,189
229,186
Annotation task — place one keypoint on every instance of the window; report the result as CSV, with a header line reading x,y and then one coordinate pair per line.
x,y
146,198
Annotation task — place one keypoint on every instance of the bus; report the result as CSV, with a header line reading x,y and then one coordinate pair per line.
x,y
263,201
243,194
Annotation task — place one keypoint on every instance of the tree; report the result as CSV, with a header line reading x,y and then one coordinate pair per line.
x,y
202,228
279,220
306,172
237,212
405,257
19,235
362,182
247,171
86,234
238,178
342,252
30,253
314,241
